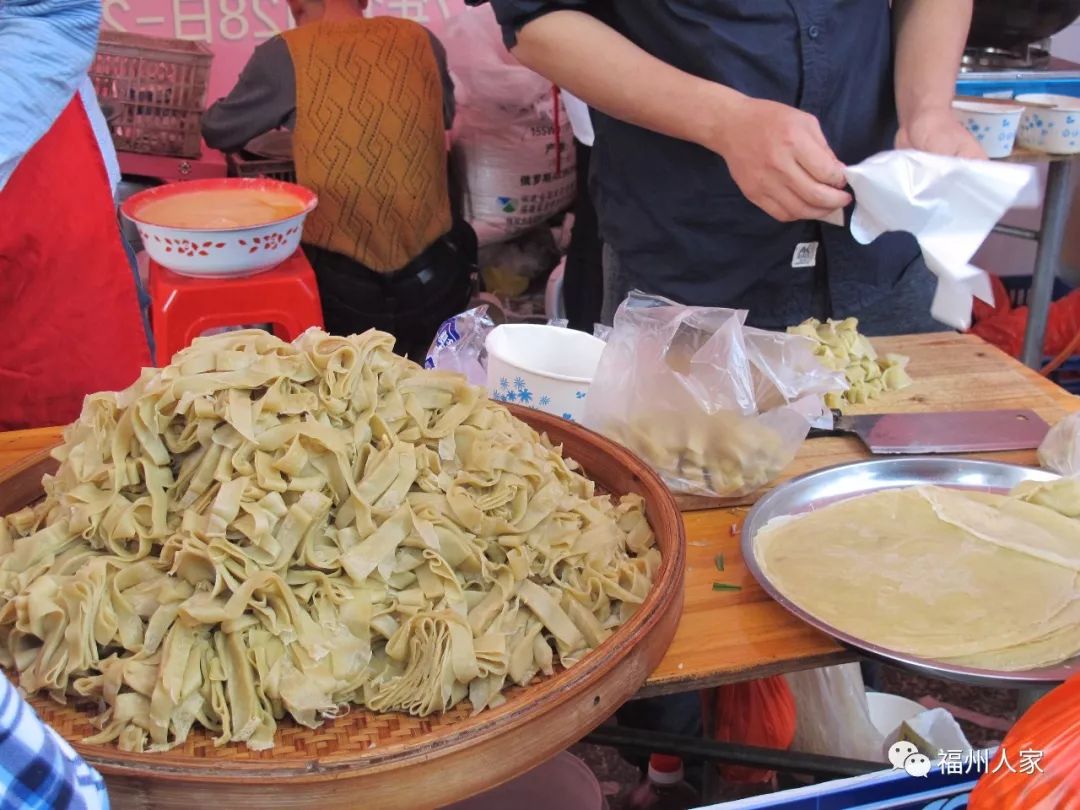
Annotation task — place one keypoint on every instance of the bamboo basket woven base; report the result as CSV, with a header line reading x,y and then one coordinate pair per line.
x,y
295,746
389,761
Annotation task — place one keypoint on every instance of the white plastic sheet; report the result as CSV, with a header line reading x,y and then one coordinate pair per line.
x,y
949,205
932,732
833,717
580,119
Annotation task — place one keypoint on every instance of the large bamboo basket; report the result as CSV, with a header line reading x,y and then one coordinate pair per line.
x,y
381,761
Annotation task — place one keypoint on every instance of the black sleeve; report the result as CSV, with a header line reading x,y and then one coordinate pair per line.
x,y
263,99
513,15
449,108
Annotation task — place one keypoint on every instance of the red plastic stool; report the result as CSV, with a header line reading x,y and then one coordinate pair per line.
x,y
183,307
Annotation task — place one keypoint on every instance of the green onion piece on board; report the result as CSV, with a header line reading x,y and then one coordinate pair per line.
x,y
723,586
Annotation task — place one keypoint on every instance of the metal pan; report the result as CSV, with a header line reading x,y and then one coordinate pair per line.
x,y
816,489
1011,25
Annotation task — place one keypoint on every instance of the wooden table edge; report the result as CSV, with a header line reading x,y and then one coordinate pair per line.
x,y
21,444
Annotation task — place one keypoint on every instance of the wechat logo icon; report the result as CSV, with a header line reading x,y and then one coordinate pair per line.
x,y
904,756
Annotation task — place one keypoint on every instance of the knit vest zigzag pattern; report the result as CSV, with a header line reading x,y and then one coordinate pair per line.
x,y
369,138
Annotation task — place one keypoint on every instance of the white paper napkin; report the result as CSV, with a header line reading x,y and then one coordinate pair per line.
x,y
580,120
950,205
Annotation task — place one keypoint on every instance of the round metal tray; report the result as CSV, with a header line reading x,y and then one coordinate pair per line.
x,y
817,489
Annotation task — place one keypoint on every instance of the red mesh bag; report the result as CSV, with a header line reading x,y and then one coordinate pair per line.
x,y
981,310
760,712
1063,323
1005,329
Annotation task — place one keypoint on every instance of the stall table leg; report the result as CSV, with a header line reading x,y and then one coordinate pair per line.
x,y
1051,237
1026,697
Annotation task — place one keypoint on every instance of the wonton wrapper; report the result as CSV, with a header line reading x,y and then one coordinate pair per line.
x,y
840,347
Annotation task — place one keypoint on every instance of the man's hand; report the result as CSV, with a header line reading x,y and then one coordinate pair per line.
x,y
779,158
939,132
930,37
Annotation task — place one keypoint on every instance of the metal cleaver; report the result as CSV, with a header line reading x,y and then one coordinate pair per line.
x,y
949,432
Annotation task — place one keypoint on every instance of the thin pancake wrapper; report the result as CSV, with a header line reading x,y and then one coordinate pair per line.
x,y
985,580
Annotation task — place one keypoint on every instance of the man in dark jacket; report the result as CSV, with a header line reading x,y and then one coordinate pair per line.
x,y
722,130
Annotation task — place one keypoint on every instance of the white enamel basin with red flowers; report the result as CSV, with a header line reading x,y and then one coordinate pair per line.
x,y
221,251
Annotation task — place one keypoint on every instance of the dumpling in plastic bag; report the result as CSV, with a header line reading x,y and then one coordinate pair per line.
x,y
1060,450
717,408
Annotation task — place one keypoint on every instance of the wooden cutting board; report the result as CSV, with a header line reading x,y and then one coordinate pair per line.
x,y
950,372
730,636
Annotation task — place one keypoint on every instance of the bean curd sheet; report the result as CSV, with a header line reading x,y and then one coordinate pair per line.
x,y
977,579
263,530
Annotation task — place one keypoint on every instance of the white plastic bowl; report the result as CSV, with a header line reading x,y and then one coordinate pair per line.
x,y
220,251
993,125
544,367
1055,130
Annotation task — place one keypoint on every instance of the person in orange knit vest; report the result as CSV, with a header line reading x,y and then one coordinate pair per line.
x,y
368,101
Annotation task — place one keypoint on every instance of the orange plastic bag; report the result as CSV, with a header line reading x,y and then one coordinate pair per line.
x,y
760,712
1042,752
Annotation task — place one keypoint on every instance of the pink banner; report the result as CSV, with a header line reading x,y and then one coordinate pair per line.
x,y
232,28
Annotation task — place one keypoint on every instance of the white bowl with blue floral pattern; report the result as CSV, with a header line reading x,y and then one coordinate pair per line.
x,y
544,367
994,126
1054,129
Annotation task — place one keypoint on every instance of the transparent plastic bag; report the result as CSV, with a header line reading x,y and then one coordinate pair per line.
x,y
833,717
459,345
1060,450
717,408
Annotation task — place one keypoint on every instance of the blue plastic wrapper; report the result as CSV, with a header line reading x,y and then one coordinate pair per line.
x,y
886,790
459,345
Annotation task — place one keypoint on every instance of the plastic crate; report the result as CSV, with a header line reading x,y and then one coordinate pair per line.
x,y
1018,288
155,90
885,790
279,169
1067,374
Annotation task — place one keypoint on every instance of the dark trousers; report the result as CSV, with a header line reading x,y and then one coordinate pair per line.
x,y
583,278
410,303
